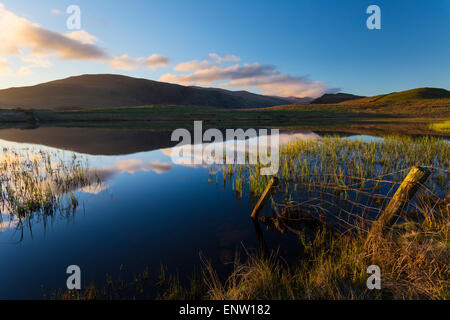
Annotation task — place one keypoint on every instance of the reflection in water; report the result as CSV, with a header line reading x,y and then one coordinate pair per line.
x,y
132,166
145,210
263,251
109,141
35,184
141,207
92,141
242,151
7,221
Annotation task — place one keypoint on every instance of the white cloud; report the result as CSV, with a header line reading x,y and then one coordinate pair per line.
x,y
226,58
263,77
56,12
4,67
125,62
193,65
156,60
213,59
18,34
24,71
82,36
34,62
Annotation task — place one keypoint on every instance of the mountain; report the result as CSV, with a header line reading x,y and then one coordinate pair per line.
x,y
419,102
328,98
394,97
300,100
419,94
108,90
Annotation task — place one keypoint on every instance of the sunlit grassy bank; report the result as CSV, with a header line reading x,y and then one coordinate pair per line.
x,y
368,117
441,126
413,263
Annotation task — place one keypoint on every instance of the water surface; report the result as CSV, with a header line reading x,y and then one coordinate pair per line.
x,y
148,211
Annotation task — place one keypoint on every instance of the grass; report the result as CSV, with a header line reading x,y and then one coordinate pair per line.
x,y
340,161
413,95
343,185
330,193
410,113
441,126
40,184
414,265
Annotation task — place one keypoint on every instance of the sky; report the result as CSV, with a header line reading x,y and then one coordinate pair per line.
x,y
285,48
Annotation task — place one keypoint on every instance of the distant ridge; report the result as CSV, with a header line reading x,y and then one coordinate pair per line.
x,y
405,96
109,90
300,100
328,98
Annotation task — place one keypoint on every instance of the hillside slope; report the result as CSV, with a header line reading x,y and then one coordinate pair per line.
x,y
335,98
107,90
420,102
407,96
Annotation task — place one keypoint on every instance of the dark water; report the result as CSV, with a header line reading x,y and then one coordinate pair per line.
x,y
148,211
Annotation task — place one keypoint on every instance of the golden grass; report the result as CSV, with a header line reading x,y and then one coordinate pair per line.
x,y
414,264
441,126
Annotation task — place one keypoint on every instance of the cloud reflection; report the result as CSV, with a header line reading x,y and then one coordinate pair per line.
x,y
188,158
132,166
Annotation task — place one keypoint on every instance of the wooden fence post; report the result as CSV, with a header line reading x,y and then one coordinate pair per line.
x,y
273,181
405,192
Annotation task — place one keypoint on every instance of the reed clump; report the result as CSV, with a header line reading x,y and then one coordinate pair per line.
x,y
331,158
40,183
413,258
347,183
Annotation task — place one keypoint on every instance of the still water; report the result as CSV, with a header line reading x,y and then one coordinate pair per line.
x,y
148,211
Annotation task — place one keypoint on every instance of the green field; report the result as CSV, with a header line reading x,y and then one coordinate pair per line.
x,y
417,111
345,118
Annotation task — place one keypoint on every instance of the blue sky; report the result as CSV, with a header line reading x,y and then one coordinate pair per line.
x,y
308,47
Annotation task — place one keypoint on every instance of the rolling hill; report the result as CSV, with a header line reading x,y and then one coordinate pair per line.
x,y
419,102
108,90
335,98
413,95
111,91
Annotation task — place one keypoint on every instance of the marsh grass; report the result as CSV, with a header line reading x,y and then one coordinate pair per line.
x,y
38,184
139,286
343,185
331,191
344,179
441,126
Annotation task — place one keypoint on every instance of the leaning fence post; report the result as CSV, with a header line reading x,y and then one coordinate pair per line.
x,y
273,181
405,192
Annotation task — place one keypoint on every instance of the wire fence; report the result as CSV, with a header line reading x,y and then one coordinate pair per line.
x,y
348,203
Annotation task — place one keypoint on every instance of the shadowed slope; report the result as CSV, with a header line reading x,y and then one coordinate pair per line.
x,y
107,90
